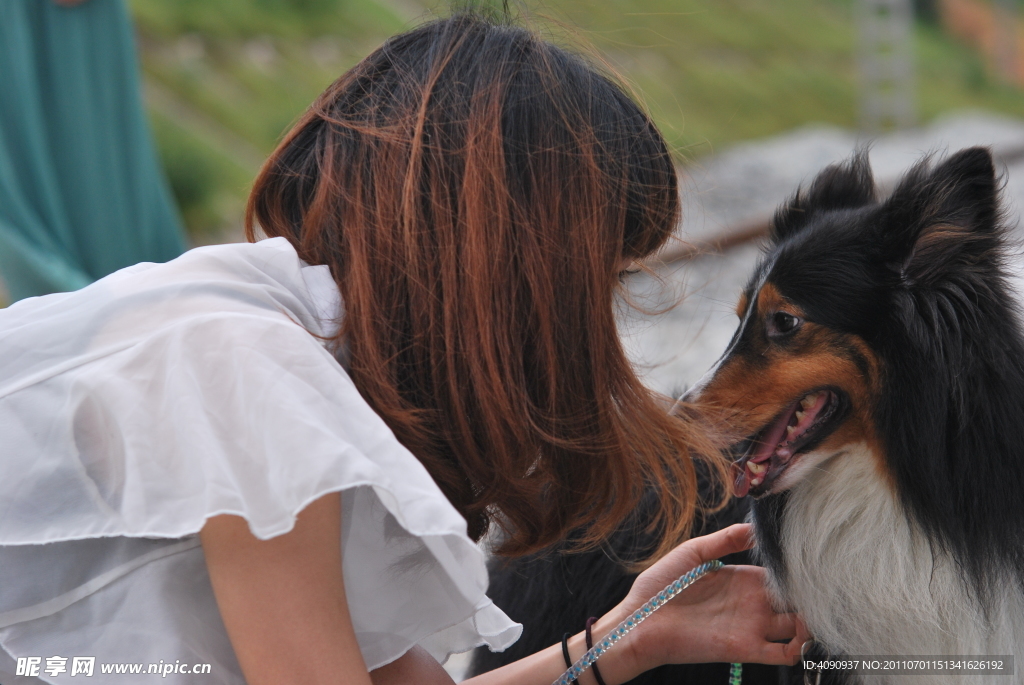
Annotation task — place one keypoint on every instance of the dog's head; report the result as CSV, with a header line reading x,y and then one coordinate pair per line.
x,y
854,301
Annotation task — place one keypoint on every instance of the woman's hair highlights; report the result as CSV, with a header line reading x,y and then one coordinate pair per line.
x,y
474,190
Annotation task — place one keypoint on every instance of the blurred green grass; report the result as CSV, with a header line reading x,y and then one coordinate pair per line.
x,y
225,78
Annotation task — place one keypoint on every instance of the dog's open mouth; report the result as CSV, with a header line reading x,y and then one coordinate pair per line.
x,y
798,428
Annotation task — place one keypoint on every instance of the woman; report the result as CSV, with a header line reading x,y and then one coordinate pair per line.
x,y
275,458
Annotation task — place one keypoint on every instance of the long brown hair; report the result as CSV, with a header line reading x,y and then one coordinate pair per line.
x,y
474,190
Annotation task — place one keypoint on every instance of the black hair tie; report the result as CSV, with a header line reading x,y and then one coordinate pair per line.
x,y
590,645
565,653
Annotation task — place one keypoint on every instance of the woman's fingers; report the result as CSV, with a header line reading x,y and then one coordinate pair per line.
x,y
795,646
753,631
781,627
786,653
779,653
735,538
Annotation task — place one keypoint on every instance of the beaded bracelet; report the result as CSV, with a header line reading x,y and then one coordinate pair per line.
x,y
735,674
652,605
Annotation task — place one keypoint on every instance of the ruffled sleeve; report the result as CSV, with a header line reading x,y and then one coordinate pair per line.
x,y
110,466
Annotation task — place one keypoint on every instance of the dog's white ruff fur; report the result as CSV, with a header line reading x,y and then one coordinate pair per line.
x,y
867,582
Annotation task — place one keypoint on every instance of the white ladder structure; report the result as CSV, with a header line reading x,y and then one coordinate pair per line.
x,y
1005,20
886,29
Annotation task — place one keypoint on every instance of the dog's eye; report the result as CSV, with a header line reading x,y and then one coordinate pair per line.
x,y
783,323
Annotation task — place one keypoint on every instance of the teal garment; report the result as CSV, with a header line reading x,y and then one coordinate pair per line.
x,y
81,191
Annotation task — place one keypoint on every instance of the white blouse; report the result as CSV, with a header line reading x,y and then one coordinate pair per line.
x,y
136,408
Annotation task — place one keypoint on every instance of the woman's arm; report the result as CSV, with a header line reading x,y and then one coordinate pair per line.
x,y
283,600
283,604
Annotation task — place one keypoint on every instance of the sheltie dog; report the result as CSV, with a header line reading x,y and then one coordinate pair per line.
x,y
873,395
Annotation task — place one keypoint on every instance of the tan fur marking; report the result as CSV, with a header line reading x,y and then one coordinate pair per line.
x,y
770,300
741,306
751,388
937,246
864,428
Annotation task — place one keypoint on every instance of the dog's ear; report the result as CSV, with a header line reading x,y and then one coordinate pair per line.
x,y
840,186
944,221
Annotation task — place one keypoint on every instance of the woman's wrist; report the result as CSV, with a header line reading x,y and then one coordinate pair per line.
x,y
618,665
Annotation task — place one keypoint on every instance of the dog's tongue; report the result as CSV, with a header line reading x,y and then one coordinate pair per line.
x,y
762,452
771,439
741,486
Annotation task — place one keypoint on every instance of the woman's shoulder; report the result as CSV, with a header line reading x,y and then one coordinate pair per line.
x,y
264,276
218,292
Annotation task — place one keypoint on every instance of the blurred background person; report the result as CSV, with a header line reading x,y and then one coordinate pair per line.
x,y
82,192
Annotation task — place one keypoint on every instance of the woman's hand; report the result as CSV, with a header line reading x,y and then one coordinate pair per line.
x,y
724,617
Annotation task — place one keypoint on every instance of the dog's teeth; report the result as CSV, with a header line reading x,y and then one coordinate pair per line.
x,y
755,482
809,401
800,416
756,468
789,431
